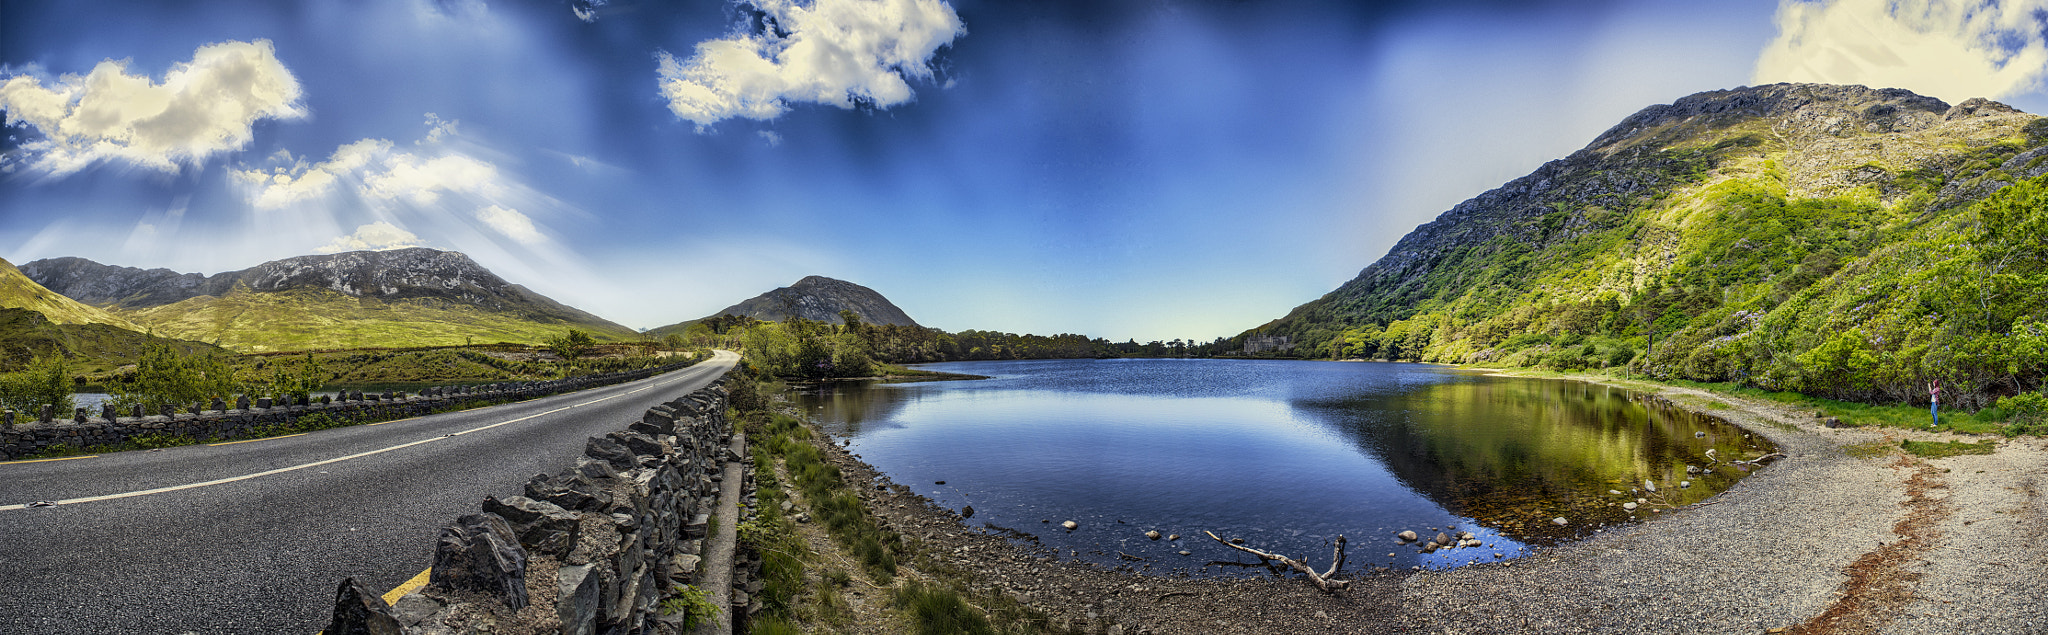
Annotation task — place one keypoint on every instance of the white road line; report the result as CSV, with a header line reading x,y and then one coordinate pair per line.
x,y
244,477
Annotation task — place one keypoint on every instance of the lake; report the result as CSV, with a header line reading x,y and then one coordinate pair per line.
x,y
1284,454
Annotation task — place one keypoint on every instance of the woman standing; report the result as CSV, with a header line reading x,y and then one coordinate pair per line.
x,y
1934,402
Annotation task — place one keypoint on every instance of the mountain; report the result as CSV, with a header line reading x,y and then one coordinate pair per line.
x,y
815,298
19,291
35,321
1835,240
404,297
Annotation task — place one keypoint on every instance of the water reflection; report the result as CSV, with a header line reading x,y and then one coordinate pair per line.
x,y
1514,453
1284,454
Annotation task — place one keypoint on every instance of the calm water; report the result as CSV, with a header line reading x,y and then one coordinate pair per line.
x,y
1286,455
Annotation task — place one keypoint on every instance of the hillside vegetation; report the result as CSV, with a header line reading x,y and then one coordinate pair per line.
x,y
306,319
17,291
398,298
1833,240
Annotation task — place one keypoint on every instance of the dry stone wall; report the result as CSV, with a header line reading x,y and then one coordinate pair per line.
x,y
589,550
27,434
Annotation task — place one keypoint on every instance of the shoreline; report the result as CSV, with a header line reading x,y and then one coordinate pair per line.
x,y
1820,541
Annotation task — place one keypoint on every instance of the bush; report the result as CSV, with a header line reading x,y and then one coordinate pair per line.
x,y
2025,413
47,380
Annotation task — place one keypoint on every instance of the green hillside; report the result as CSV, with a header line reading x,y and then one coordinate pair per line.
x,y
17,291
308,318
96,348
1832,240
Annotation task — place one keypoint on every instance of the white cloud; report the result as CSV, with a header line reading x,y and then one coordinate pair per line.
x,y
586,10
838,52
377,236
286,185
421,180
203,107
1953,50
511,223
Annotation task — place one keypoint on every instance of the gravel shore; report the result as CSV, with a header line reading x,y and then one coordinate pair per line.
x,y
1818,542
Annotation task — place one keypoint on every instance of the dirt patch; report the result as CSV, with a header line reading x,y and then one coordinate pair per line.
x,y
1881,582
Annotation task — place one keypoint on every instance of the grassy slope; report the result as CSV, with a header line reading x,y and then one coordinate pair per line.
x,y
305,319
1746,269
17,291
25,335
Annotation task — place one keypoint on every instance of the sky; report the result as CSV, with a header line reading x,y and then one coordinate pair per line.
x,y
1128,169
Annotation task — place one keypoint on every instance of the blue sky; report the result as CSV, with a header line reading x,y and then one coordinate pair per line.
x,y
1151,170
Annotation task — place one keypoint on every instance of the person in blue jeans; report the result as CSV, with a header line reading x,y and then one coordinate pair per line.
x,y
1934,403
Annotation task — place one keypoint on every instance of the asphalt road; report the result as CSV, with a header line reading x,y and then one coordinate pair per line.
x,y
264,554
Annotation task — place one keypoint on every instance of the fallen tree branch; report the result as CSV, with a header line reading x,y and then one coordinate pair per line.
x,y
1321,580
1758,460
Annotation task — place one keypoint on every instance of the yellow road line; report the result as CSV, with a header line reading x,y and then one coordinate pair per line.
x,y
68,458
255,440
408,586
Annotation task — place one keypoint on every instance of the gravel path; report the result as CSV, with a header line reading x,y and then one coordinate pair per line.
x,y
1818,542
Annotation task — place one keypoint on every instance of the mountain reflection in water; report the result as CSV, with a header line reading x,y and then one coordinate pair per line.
x,y
1284,454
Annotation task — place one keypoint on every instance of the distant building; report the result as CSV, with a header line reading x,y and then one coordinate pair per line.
x,y
1267,343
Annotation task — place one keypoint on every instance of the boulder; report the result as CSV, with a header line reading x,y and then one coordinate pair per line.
x,y
1407,536
357,611
576,599
569,491
480,553
611,450
542,527
1442,538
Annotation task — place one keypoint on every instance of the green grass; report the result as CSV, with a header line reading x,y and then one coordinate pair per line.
x,y
1870,449
314,319
1987,421
1936,450
939,611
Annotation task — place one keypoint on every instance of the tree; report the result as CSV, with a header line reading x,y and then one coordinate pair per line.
x,y
572,345
46,380
163,377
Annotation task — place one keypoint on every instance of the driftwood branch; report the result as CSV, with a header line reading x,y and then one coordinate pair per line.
x,y
1321,580
1758,460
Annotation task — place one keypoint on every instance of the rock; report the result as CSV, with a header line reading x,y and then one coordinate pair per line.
x,y
357,611
1070,525
1407,536
1631,506
1684,484
414,609
1614,492
541,526
1154,534
479,553
1185,552
1442,538
571,490
1649,485
1560,521
1173,536
1465,536
1699,435
803,518
611,450
1642,501
938,482
576,599
967,511
1430,546
786,506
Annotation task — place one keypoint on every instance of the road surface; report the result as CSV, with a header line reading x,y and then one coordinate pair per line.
x,y
252,537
